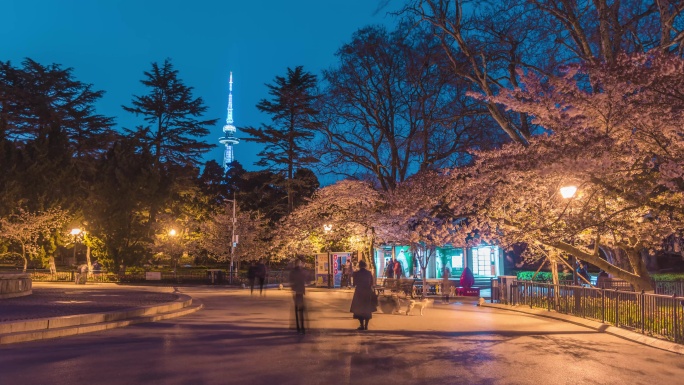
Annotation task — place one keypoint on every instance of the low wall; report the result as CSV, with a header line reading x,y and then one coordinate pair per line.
x,y
15,285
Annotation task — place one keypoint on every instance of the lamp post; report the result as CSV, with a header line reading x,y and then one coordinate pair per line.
x,y
326,229
172,234
568,192
233,240
75,232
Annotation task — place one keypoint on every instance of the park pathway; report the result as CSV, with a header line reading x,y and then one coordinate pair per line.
x,y
243,339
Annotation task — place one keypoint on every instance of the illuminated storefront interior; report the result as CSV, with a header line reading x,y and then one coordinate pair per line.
x,y
483,261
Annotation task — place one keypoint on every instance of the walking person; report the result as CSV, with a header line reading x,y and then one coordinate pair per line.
x,y
260,274
350,273
362,305
389,270
398,270
298,286
446,283
251,276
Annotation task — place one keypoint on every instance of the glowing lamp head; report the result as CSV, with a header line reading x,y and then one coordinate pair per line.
x,y
172,232
327,227
568,191
76,231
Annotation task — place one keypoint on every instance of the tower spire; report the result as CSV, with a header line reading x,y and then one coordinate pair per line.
x,y
229,139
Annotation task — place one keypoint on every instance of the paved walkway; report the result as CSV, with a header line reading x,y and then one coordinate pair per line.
x,y
51,300
58,299
241,339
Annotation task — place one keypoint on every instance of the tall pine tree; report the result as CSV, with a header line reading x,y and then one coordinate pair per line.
x,y
173,130
293,115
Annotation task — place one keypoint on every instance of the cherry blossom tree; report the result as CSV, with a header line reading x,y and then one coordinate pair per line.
x,y
419,216
28,232
216,234
350,207
621,146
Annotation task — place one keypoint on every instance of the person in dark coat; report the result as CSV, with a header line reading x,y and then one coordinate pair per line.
x,y
389,270
251,276
362,304
350,272
260,274
298,286
446,283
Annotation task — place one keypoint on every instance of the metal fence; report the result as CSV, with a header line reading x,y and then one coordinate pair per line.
x,y
212,276
669,288
655,315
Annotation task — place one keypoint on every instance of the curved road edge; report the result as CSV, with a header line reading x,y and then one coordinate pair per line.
x,y
595,325
55,327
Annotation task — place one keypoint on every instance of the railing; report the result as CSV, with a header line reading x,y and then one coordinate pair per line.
x,y
220,277
655,315
201,276
669,288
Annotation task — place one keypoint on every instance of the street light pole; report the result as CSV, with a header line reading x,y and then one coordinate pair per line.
x,y
75,232
232,239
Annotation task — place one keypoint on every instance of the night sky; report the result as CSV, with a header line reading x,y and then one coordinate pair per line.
x,y
109,43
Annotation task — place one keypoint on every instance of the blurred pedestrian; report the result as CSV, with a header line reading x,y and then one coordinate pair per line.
x,y
398,269
584,272
298,286
260,274
251,276
389,270
446,283
362,305
82,274
350,273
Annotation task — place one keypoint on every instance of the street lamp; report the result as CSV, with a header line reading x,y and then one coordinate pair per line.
x,y
568,192
75,232
233,239
327,228
173,250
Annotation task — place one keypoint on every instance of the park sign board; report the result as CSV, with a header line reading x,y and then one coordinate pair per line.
x,y
153,275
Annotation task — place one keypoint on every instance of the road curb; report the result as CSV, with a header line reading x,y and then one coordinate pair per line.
x,y
55,327
595,325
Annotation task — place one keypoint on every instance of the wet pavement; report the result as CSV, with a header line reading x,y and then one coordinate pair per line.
x,y
56,300
241,339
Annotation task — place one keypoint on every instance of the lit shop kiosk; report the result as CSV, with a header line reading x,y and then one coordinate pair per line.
x,y
329,268
484,261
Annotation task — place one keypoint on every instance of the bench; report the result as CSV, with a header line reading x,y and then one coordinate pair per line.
x,y
396,286
468,292
391,290
613,284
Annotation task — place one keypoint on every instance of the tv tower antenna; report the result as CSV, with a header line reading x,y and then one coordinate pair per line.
x,y
229,139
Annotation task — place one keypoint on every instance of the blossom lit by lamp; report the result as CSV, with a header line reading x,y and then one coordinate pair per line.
x,y
327,227
568,191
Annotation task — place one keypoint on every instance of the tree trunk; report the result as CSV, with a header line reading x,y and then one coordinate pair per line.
x,y
640,278
554,274
90,265
53,268
23,255
371,260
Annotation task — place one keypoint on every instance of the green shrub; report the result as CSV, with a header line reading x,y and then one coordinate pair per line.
x,y
544,276
668,277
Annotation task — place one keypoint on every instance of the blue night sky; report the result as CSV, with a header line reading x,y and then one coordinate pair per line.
x,y
109,43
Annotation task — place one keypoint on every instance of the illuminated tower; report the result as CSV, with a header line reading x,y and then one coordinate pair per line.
x,y
229,138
